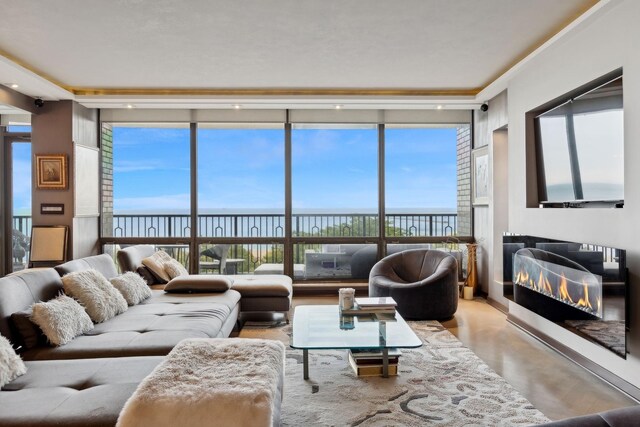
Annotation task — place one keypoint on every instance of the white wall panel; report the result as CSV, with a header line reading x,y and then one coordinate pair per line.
x,y
606,41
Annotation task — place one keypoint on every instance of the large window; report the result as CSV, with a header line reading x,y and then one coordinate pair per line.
x,y
21,172
334,175
241,181
421,182
299,199
151,181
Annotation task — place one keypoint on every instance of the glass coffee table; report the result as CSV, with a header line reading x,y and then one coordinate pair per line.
x,y
321,327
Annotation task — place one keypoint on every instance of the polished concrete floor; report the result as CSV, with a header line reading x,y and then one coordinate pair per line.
x,y
553,384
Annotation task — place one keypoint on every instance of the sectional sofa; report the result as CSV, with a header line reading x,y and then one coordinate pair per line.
x,y
87,381
259,293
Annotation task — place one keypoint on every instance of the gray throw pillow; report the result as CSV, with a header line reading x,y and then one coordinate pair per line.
x,y
11,365
146,274
61,319
132,287
30,335
98,297
199,284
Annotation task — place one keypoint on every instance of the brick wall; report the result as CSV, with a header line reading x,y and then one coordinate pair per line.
x,y
464,180
107,179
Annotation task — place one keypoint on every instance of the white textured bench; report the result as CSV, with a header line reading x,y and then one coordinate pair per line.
x,y
216,381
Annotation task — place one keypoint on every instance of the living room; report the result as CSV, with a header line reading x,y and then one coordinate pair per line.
x,y
92,98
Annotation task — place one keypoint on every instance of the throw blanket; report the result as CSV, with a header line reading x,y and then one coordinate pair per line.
x,y
210,382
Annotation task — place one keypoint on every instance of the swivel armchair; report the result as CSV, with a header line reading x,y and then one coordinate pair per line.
x,y
424,283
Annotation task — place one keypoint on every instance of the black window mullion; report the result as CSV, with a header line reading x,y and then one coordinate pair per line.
x,y
288,208
194,259
382,220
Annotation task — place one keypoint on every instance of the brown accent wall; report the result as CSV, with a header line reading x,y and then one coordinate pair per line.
x,y
57,129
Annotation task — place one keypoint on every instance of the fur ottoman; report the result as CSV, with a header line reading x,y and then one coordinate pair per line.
x,y
216,381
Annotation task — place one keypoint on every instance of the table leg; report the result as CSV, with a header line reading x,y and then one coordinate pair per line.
x,y
385,362
305,363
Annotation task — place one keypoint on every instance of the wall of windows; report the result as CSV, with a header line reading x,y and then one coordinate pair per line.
x,y
241,180
150,188
317,201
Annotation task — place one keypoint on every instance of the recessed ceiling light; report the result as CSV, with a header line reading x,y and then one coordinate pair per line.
x,y
439,107
14,85
338,107
237,106
129,106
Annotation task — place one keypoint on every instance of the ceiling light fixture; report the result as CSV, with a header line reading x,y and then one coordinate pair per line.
x,y
439,107
237,106
14,86
338,107
129,106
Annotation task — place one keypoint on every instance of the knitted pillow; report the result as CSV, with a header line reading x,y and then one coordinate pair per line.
x,y
156,263
175,269
100,299
11,365
61,319
132,287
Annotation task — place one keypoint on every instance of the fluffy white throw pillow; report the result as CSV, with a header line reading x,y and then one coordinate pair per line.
x,y
132,287
61,319
100,299
156,263
175,269
11,365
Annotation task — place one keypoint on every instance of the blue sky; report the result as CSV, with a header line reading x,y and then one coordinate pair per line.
x,y
243,169
21,178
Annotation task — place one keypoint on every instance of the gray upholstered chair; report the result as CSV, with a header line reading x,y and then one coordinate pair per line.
x,y
423,282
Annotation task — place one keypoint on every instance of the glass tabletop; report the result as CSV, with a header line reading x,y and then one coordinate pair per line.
x,y
322,327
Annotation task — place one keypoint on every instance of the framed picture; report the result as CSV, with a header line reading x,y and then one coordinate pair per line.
x,y
480,176
51,171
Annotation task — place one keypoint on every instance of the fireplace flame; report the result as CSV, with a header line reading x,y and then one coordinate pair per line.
x,y
584,301
563,291
567,288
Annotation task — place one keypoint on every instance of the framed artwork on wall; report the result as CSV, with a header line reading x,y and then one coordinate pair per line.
x,y
480,176
51,171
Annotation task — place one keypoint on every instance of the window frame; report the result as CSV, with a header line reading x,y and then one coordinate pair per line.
x,y
194,240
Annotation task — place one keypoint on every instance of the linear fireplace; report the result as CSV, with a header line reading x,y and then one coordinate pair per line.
x,y
578,286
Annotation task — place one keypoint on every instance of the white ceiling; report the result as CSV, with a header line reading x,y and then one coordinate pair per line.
x,y
308,44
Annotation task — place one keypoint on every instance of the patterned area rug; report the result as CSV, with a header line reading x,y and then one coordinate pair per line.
x,y
442,383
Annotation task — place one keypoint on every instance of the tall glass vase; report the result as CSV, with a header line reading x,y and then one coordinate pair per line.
x,y
472,268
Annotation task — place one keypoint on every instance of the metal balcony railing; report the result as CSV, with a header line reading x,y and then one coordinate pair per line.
x,y
272,225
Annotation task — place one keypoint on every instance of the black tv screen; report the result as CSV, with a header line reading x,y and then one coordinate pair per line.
x,y
580,147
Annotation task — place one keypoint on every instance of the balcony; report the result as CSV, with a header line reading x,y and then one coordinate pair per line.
x,y
312,260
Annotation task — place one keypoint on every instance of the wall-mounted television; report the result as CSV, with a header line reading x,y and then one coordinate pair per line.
x,y
579,141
